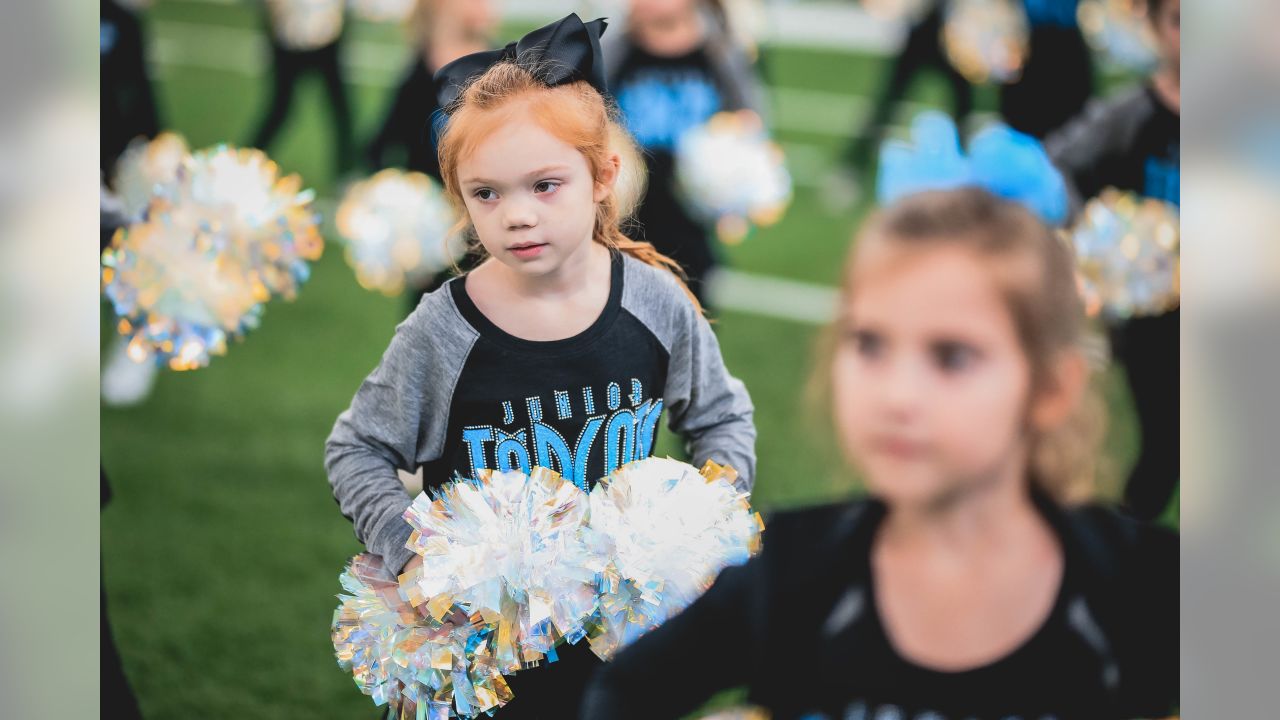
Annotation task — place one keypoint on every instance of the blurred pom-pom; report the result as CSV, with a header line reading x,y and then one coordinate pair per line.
x,y
507,549
143,168
1119,30
667,530
397,229
382,11
397,656
1002,161
306,24
222,239
732,175
908,11
986,40
1127,255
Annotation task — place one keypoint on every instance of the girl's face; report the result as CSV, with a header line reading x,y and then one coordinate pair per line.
x,y
530,196
930,381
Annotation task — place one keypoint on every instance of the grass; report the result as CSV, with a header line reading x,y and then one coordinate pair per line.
x,y
222,546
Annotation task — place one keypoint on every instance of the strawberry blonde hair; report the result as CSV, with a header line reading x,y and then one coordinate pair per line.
x,y
575,113
1035,274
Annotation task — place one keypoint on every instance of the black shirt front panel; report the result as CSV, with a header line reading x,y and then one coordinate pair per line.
x,y
581,406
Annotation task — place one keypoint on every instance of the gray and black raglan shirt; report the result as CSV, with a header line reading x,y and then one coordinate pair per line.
x,y
454,393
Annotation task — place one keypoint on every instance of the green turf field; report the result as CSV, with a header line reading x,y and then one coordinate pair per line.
x,y
222,547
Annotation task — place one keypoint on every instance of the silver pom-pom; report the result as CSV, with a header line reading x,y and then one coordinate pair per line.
x,y
987,40
143,170
420,666
306,24
217,243
398,230
1127,255
1118,29
668,530
508,549
732,175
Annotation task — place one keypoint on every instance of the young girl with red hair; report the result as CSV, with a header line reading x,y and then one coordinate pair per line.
x,y
564,348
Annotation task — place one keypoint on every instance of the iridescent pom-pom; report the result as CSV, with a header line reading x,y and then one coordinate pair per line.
x,y
986,40
382,11
397,228
508,550
1120,31
144,168
732,175
219,241
397,656
306,24
1127,255
667,530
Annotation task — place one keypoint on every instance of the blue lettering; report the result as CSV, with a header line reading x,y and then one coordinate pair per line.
x,y
512,453
475,437
582,451
619,440
550,445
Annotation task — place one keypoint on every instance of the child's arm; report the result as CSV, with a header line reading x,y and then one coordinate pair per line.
x,y
709,408
680,665
1086,148
371,439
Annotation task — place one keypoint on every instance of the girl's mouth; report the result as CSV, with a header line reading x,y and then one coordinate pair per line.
x,y
527,251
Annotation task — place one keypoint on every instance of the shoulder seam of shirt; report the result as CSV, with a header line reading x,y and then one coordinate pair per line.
x,y
438,320
639,275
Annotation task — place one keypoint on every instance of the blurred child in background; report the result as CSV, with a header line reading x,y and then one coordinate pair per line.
x,y
306,37
674,67
922,50
1057,79
973,583
1131,142
444,30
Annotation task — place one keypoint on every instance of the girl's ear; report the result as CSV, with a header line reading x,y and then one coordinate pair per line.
x,y
608,176
1063,391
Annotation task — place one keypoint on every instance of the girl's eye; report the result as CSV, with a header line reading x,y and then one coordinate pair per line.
x,y
485,194
951,356
546,186
868,344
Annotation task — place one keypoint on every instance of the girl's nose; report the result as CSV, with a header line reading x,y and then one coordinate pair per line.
x,y
519,214
902,385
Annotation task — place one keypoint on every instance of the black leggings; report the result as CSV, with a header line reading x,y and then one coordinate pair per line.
x,y
1147,348
922,50
287,67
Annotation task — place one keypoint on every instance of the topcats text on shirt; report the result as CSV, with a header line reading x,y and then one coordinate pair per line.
x,y
623,431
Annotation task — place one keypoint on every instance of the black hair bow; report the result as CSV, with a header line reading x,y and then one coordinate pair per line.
x,y
562,52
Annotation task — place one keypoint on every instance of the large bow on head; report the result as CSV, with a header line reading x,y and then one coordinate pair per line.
x,y
1002,161
559,53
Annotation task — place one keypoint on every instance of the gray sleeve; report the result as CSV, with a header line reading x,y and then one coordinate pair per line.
x,y
1086,148
706,406
397,420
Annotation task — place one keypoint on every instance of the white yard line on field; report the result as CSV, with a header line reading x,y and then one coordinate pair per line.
x,y
822,24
